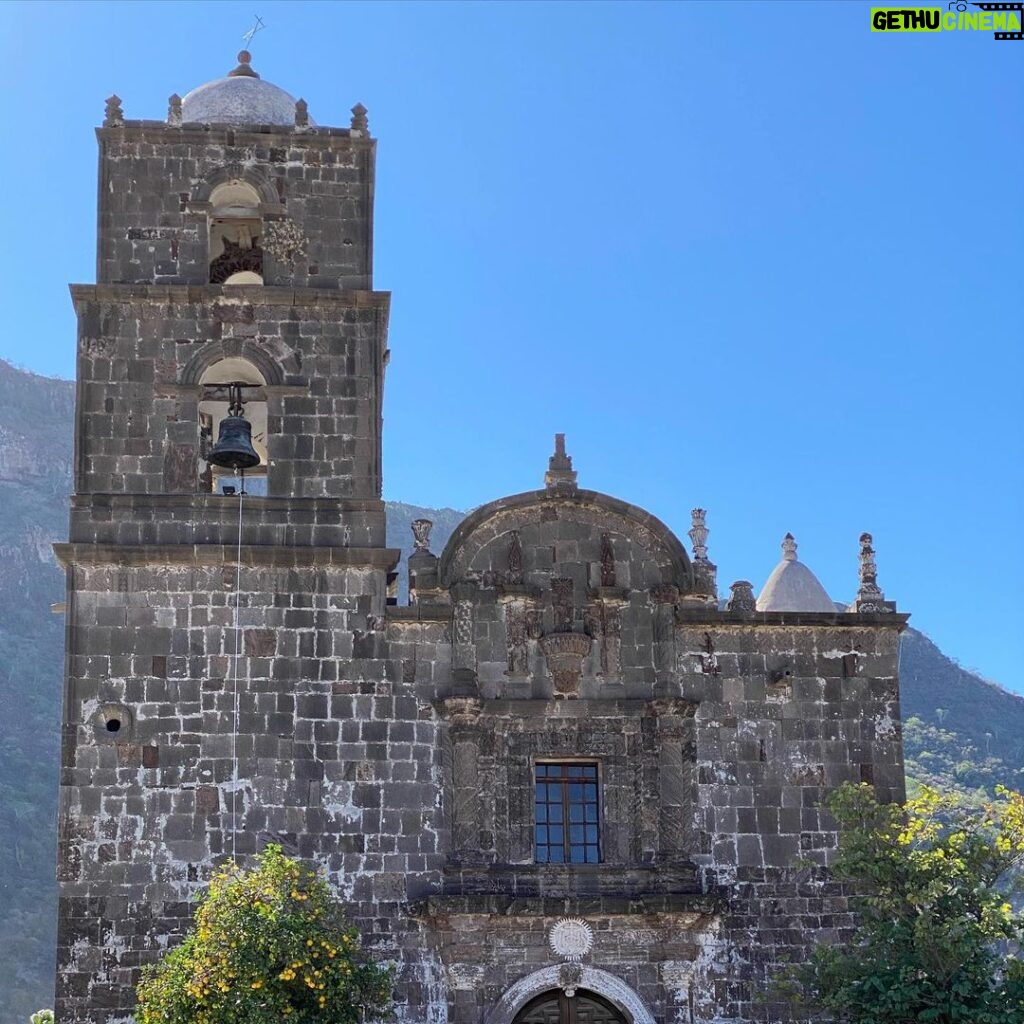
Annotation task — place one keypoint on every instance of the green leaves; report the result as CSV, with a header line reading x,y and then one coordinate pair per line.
x,y
940,939
269,946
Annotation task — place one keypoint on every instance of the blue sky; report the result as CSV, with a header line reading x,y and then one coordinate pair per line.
x,y
748,256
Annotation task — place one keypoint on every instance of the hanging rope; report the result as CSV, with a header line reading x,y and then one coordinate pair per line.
x,y
234,696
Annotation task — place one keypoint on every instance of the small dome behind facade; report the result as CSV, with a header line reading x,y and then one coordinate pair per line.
x,y
792,587
241,97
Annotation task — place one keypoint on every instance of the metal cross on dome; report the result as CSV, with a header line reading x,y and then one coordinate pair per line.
x,y
259,26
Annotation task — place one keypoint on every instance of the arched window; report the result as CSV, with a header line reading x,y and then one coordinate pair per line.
x,y
213,407
236,230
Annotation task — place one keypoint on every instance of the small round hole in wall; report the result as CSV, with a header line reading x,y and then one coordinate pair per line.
x,y
113,725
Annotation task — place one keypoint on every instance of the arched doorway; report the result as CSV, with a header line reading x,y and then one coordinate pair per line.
x,y
543,987
582,1007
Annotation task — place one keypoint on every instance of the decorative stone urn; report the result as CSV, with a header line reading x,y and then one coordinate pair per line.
x,y
564,654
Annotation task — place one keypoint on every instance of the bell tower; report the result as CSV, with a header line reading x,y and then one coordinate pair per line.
x,y
212,620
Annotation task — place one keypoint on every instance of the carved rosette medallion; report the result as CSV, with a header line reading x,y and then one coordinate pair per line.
x,y
571,938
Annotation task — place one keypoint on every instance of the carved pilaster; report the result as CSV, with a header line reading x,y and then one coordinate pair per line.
x,y
463,645
674,788
665,599
463,715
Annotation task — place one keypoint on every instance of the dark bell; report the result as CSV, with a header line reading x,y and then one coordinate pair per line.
x,y
234,449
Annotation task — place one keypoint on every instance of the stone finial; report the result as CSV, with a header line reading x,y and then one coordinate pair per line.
x,y
113,115
699,534
869,595
421,534
789,548
560,472
868,569
244,69
704,570
742,598
174,109
359,122
301,114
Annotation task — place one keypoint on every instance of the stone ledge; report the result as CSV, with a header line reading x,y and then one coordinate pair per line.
x,y
253,295
112,500
712,617
321,136
419,613
254,556
557,881
695,906
529,707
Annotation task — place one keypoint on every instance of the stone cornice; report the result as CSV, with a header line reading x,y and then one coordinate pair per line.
x,y
253,556
592,708
711,617
311,137
697,905
131,502
250,295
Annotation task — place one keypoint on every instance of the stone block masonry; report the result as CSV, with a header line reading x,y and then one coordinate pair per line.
x,y
561,735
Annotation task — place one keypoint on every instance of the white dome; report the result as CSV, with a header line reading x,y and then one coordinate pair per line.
x,y
242,97
792,587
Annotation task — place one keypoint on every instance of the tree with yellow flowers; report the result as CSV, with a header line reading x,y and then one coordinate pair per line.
x,y
268,946
941,929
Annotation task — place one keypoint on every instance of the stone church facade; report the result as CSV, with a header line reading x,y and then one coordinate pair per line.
x,y
564,782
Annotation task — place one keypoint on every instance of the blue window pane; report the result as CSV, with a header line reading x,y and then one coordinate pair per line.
x,y
576,812
590,792
591,833
542,812
555,834
542,854
555,812
577,855
576,834
554,791
576,791
542,771
591,855
556,855
542,833
591,814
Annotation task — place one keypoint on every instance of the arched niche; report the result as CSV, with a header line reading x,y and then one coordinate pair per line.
x,y
213,408
583,978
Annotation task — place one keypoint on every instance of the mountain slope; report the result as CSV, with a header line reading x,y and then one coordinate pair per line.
x,y
961,731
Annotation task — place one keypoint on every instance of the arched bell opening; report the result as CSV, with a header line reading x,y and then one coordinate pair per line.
x,y
558,1007
236,234
216,395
